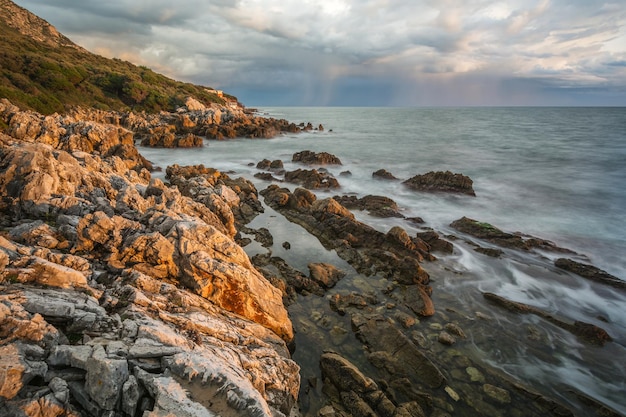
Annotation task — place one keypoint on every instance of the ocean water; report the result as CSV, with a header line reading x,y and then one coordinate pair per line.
x,y
554,173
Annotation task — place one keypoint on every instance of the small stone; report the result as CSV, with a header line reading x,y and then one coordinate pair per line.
x,y
454,329
474,374
286,245
500,395
446,338
452,393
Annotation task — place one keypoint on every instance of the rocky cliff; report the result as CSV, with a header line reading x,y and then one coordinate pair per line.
x,y
119,294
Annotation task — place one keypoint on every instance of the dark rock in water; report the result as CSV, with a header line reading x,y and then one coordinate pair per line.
x,y
311,179
286,278
442,182
493,252
286,245
325,274
590,272
393,255
489,233
313,158
407,360
415,220
383,174
267,165
341,302
494,235
436,243
262,235
359,394
345,174
588,332
266,176
376,205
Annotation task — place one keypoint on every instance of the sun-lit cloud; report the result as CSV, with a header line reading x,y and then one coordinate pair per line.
x,y
336,51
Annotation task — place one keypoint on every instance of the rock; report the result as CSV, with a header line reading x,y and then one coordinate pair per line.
x,y
435,242
589,272
379,335
441,182
215,267
446,338
489,233
588,332
378,206
313,158
499,395
105,378
393,255
311,179
193,105
291,280
383,174
325,274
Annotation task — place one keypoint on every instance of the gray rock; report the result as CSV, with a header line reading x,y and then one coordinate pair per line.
x,y
131,394
105,378
60,389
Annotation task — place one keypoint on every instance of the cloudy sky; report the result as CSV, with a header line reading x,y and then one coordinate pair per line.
x,y
366,52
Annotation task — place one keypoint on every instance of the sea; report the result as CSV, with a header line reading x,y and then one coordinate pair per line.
x,y
557,173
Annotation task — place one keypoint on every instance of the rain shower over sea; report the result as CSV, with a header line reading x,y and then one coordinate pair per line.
x,y
554,173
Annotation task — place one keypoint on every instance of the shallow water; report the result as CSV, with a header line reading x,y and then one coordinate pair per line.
x,y
555,173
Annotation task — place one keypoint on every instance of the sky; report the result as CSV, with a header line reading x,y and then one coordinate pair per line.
x,y
366,52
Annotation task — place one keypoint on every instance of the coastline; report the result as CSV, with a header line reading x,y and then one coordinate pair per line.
x,y
150,255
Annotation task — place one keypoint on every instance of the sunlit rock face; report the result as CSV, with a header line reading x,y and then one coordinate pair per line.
x,y
122,295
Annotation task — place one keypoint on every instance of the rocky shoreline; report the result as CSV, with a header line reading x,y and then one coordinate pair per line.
x,y
124,295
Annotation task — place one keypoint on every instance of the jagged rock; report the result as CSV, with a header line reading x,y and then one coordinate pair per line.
x,y
393,255
215,267
16,371
105,378
313,158
441,182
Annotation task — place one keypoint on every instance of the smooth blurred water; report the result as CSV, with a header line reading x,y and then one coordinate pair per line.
x,y
557,173
554,173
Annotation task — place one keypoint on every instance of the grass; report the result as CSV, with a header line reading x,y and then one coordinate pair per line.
x,y
49,79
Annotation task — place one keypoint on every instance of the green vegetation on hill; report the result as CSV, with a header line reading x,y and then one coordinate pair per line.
x,y
48,79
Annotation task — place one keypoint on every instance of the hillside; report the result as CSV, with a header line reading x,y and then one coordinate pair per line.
x,y
42,70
